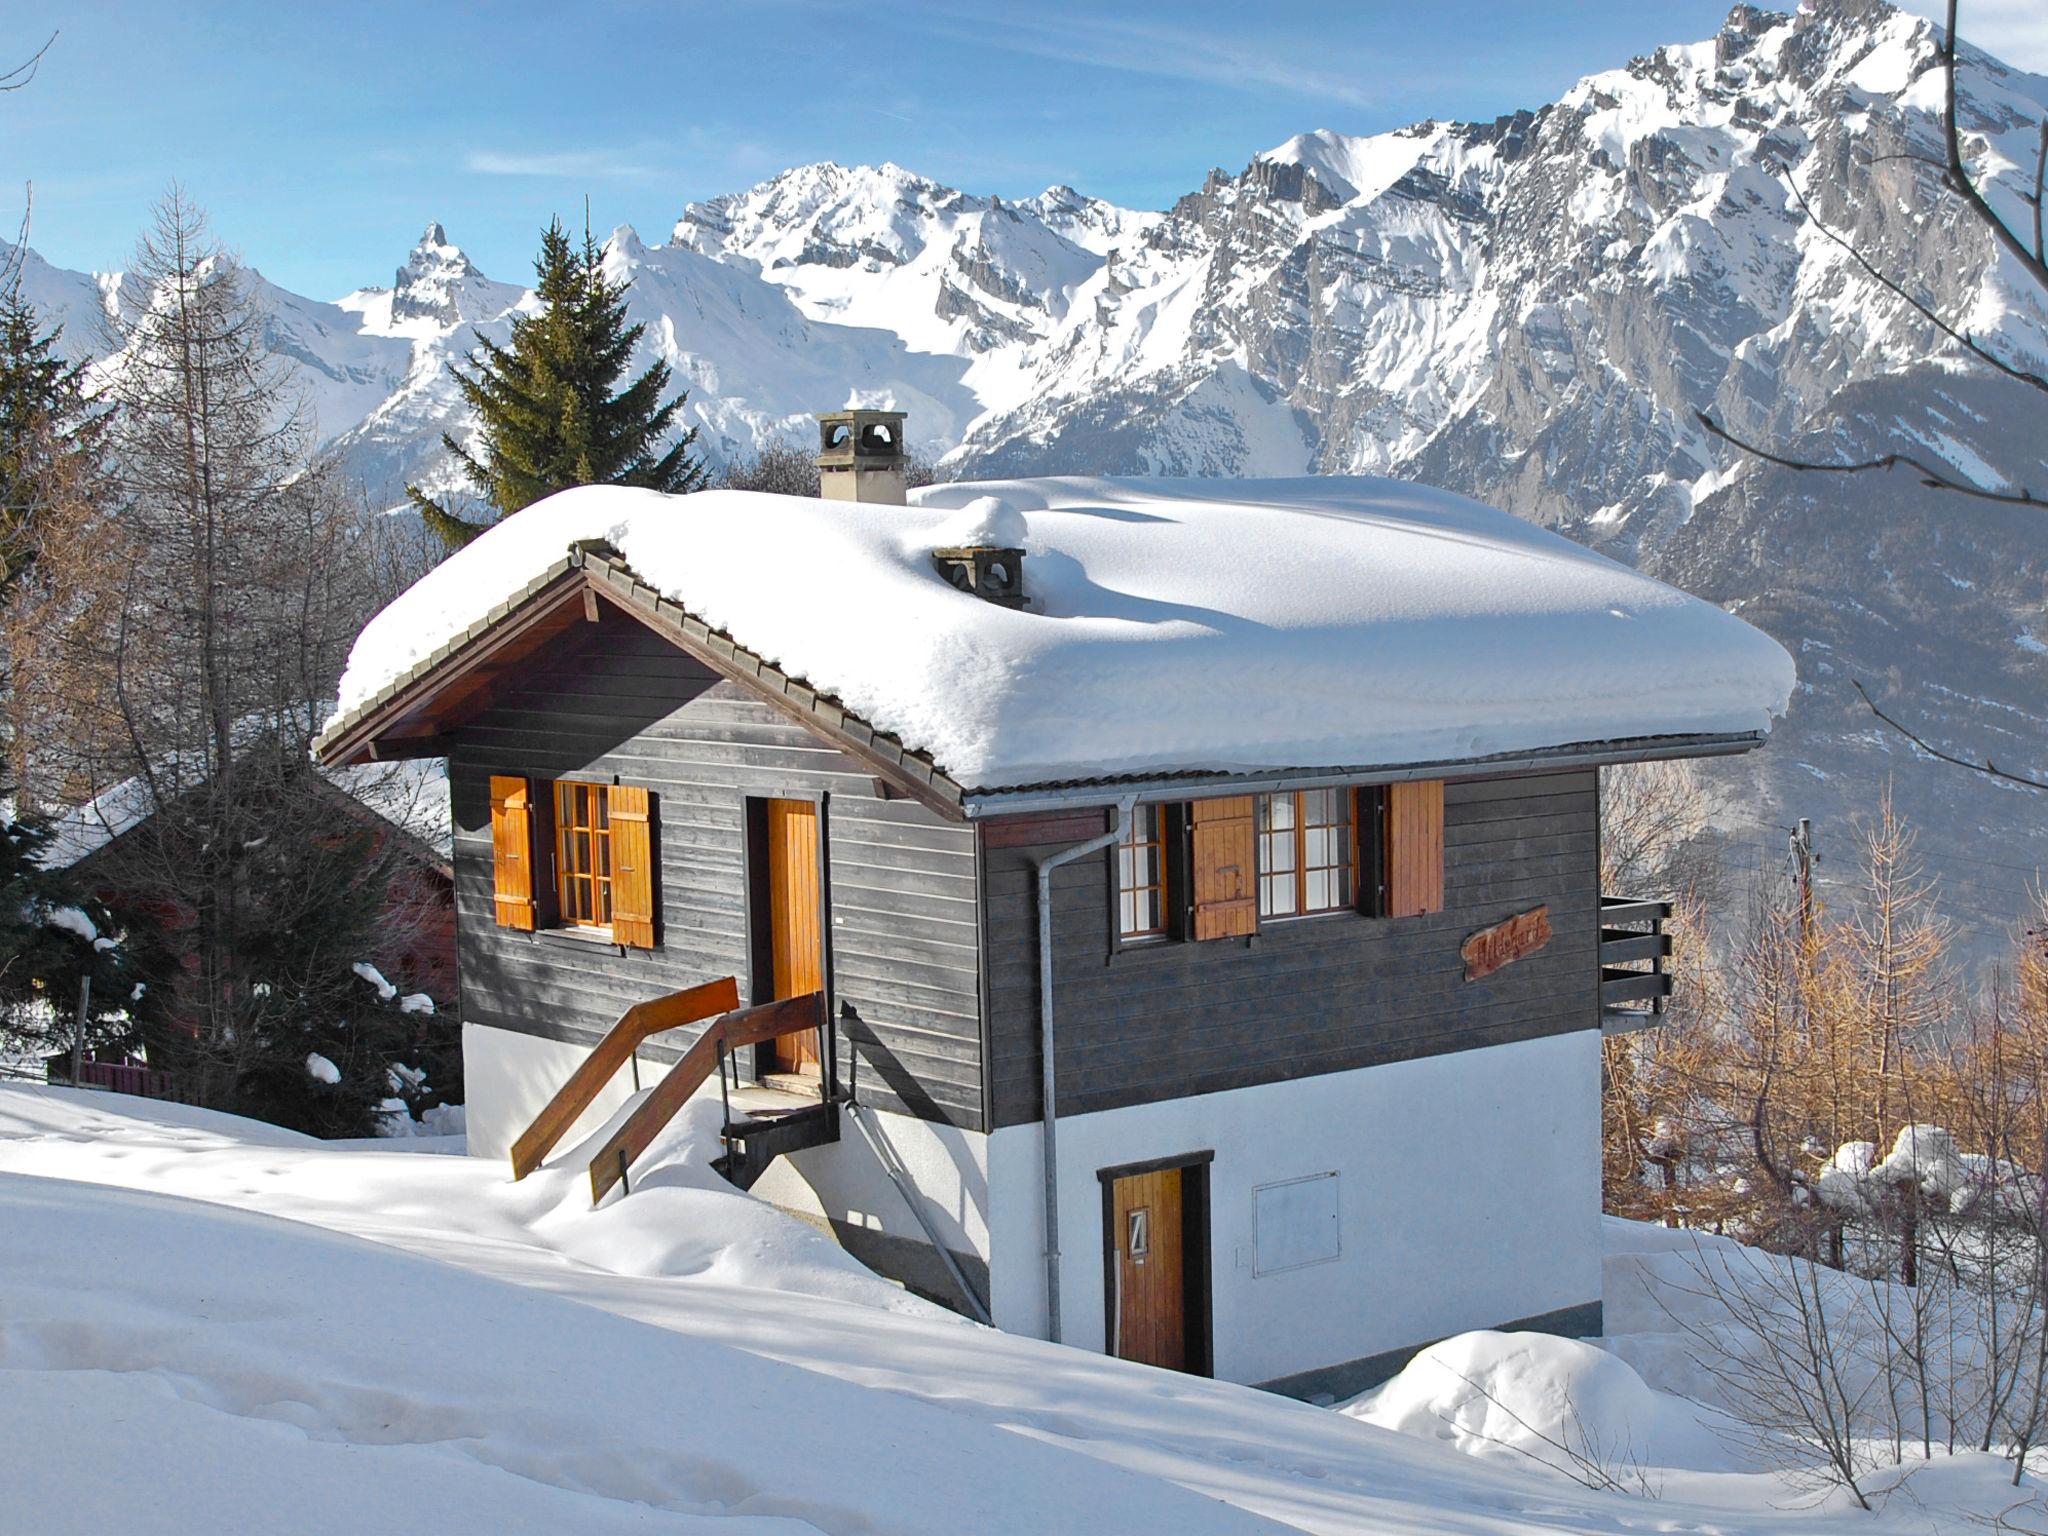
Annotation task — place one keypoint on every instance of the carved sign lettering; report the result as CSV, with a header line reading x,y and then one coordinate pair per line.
x,y
1504,943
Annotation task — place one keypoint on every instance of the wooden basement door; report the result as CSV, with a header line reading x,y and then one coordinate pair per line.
x,y
1146,1229
795,920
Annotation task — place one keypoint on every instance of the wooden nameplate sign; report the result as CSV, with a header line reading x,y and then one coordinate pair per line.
x,y
1504,943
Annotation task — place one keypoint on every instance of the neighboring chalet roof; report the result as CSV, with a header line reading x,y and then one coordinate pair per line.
x,y
1176,628
410,797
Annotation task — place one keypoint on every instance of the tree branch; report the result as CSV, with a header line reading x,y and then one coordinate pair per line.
x,y
1959,173
15,78
2040,178
1987,767
1926,312
1932,478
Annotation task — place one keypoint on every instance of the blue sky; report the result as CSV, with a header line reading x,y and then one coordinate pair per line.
x,y
323,136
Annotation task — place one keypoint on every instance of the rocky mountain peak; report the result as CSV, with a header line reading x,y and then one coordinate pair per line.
x,y
439,285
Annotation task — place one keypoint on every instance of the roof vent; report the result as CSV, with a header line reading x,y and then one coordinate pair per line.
x,y
994,575
981,550
861,457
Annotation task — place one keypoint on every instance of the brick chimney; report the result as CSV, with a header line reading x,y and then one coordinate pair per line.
x,y
861,456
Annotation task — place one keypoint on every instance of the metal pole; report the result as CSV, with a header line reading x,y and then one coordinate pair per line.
x,y
78,1034
893,1166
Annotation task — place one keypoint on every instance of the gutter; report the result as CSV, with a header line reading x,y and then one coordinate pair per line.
x,y
1049,1146
1182,786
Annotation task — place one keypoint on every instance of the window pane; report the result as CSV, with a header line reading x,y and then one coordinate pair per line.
x,y
1276,895
1141,875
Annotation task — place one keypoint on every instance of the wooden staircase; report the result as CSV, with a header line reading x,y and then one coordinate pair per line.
x,y
752,1142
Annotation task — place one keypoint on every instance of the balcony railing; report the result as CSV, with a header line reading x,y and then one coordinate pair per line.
x,y
1635,979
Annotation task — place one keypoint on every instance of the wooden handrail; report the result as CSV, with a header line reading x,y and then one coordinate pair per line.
x,y
749,1026
636,1025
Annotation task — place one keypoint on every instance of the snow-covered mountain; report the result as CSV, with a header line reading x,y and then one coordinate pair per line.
x,y
1529,310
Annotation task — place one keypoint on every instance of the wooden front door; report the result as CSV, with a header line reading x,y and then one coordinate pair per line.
x,y
796,936
1150,1269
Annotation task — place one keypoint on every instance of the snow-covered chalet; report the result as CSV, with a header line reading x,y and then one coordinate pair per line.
x,y
1162,915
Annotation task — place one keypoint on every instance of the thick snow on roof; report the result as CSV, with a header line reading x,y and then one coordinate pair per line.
x,y
1231,625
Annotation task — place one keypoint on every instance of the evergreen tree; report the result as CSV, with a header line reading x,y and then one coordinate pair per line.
x,y
49,433
548,403
53,935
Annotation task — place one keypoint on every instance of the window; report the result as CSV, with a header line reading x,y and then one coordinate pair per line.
x,y
602,845
583,854
1305,852
1141,875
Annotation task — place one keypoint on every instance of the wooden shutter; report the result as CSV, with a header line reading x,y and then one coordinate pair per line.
x,y
1224,867
512,851
632,868
1415,848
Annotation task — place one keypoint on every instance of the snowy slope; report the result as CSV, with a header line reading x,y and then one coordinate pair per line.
x,y
1174,625
210,1325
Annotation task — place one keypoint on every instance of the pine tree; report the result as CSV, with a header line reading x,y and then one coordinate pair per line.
x,y
547,405
49,432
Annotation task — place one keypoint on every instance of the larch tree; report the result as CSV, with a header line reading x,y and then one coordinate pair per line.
x,y
185,630
549,407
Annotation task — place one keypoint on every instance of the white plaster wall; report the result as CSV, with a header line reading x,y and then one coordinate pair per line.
x,y
1469,1195
849,1181
510,1077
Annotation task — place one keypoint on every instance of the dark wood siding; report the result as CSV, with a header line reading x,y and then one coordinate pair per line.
x,y
1306,996
618,699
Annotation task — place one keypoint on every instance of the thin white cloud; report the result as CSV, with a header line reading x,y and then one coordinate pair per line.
x,y
593,164
1173,53
2013,30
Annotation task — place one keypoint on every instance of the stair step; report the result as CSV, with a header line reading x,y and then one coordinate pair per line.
x,y
769,1119
763,1122
752,1144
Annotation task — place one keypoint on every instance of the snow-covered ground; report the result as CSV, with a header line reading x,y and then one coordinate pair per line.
x,y
210,1325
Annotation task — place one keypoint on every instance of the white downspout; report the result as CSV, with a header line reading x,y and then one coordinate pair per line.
x,y
1049,1147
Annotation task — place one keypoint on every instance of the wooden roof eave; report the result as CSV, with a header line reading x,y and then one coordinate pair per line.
x,y
371,731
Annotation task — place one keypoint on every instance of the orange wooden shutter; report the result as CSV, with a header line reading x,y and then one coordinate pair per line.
x,y
1224,867
1415,848
632,868
512,851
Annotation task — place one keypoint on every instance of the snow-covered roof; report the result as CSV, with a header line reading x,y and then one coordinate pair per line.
x,y
412,796
1174,626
